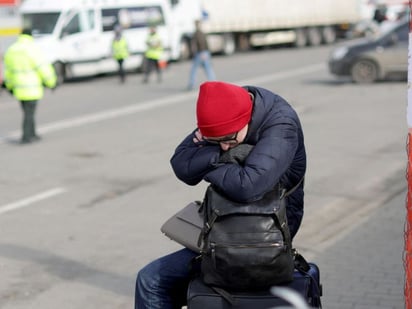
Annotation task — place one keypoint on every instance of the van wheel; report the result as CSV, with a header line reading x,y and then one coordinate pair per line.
x,y
60,72
364,71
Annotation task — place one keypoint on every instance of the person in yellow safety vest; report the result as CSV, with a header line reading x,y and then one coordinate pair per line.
x,y
152,55
26,73
120,51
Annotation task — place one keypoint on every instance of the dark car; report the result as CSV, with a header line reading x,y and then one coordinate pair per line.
x,y
370,59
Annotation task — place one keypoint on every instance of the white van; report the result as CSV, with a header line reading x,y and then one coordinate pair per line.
x,y
76,35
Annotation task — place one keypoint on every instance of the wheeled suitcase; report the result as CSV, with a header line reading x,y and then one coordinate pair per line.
x,y
307,284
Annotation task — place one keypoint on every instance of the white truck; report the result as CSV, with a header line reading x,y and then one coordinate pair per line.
x,y
76,35
240,24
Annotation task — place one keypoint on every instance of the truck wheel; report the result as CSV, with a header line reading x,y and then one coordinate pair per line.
x,y
328,35
301,39
60,72
314,36
229,46
243,42
364,71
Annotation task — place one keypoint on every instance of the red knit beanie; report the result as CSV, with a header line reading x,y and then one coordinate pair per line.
x,y
222,109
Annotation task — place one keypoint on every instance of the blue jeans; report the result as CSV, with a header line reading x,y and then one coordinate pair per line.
x,y
162,284
201,58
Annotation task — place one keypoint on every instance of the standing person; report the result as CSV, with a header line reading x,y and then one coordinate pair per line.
x,y
230,119
120,51
152,55
201,56
26,74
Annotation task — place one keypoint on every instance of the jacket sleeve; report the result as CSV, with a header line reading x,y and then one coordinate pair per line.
x,y
294,210
8,73
192,161
43,68
262,170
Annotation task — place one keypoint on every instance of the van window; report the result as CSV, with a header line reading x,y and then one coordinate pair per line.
x,y
87,20
41,23
90,19
73,26
132,17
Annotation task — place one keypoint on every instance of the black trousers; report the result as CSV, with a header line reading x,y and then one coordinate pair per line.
x,y
29,126
149,66
122,73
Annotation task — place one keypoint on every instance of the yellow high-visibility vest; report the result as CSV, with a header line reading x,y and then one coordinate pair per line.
x,y
154,47
120,49
26,70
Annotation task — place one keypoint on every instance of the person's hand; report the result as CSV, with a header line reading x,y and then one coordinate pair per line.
x,y
53,89
198,137
3,86
236,154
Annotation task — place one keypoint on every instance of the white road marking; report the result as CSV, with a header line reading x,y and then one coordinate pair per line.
x,y
31,200
170,100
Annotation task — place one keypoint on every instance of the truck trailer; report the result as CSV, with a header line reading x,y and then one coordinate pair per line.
x,y
239,25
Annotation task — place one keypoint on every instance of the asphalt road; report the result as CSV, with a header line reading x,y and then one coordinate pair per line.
x,y
80,211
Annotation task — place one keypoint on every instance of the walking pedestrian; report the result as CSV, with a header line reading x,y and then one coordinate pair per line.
x,y
201,56
230,119
152,55
120,51
27,72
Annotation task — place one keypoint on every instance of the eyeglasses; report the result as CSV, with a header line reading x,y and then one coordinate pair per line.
x,y
228,139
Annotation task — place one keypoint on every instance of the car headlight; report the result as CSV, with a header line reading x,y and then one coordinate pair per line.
x,y
339,53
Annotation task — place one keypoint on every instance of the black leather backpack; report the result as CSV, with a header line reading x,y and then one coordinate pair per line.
x,y
246,246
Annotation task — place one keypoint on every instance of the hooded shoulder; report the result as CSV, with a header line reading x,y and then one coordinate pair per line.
x,y
269,108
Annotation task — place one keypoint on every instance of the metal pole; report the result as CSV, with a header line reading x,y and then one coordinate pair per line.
x,y
408,223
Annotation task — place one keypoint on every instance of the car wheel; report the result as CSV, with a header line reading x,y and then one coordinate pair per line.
x,y
364,71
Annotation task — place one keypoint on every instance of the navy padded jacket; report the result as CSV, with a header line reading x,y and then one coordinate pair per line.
x,y
278,155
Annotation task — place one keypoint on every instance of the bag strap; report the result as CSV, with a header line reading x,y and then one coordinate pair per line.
x,y
225,294
207,226
303,267
300,262
287,193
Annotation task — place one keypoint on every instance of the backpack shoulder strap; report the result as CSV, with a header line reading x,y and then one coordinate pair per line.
x,y
287,193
